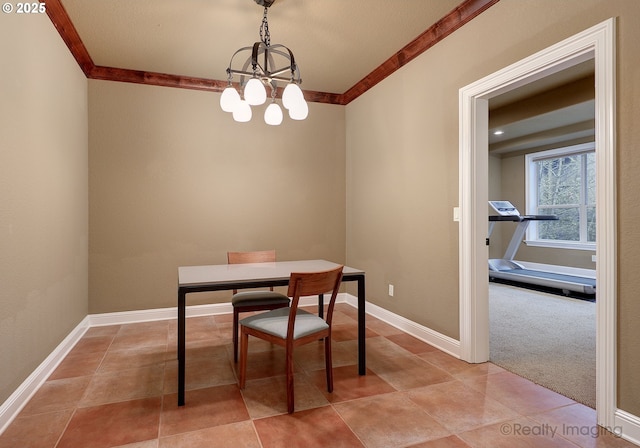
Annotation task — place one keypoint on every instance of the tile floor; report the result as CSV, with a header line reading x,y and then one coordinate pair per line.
x,y
118,388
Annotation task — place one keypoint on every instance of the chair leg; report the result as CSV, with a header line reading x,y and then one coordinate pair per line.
x,y
328,363
289,369
236,317
244,348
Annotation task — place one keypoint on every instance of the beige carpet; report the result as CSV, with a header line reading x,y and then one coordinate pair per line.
x,y
548,339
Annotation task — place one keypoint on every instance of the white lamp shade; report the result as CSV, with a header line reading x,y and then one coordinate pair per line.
x,y
229,99
299,111
273,114
291,95
242,112
254,92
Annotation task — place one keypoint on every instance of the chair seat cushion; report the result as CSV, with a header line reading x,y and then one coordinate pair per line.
x,y
251,298
275,323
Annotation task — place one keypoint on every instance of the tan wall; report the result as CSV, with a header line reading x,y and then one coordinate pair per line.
x,y
402,143
500,234
174,181
43,195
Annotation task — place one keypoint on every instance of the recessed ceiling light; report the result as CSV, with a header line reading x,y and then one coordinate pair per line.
x,y
498,133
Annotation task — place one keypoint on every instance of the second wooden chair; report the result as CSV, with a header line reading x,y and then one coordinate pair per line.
x,y
246,301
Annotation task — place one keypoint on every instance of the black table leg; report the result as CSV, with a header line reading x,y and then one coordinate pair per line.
x,y
181,345
362,352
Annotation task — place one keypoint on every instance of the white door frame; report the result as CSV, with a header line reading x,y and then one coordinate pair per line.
x,y
596,43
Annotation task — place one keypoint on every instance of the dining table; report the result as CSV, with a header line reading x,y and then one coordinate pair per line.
x,y
195,279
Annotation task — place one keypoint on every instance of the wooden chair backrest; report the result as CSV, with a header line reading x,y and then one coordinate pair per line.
x,y
259,256
313,284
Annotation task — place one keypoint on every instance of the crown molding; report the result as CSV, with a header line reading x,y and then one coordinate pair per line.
x,y
69,34
462,14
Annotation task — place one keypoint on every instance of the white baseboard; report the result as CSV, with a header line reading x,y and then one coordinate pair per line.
x,y
130,317
438,340
626,425
21,396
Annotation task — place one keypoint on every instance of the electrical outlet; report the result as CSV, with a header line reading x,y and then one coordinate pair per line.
x,y
391,290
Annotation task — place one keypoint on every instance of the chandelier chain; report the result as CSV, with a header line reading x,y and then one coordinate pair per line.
x,y
265,36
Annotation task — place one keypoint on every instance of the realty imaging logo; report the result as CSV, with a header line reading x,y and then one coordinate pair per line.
x,y
546,430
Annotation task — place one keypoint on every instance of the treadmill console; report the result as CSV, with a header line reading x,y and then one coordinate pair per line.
x,y
507,212
504,208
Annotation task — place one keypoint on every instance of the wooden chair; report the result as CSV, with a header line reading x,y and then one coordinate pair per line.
x,y
292,327
246,301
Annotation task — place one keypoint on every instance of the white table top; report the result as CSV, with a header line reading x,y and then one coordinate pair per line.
x,y
279,270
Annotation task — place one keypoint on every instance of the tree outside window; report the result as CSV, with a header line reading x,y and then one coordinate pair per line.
x,y
562,182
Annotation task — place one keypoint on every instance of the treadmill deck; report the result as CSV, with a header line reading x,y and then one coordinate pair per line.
x,y
575,283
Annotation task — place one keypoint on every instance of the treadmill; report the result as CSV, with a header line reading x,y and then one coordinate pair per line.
x,y
506,268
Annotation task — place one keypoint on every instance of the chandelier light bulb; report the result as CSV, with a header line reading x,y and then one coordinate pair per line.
x,y
242,112
254,92
273,114
229,99
299,110
291,95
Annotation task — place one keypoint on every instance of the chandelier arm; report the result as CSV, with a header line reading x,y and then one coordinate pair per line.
x,y
273,76
274,49
294,67
279,71
254,54
238,51
244,69
256,49
230,71
288,53
268,60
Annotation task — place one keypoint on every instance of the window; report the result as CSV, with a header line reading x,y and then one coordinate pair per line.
x,y
562,182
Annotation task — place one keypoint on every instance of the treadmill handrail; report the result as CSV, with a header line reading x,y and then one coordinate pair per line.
x,y
520,218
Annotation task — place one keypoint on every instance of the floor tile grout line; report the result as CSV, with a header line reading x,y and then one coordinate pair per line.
x,y
105,353
347,424
66,426
255,430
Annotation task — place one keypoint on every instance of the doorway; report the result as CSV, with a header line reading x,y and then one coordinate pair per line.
x,y
597,43
541,151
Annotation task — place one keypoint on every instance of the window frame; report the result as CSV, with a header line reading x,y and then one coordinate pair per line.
x,y
531,197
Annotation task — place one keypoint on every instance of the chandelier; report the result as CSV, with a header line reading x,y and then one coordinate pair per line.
x,y
265,66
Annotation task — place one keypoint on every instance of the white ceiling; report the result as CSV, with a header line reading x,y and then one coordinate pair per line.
x,y
336,43
554,110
